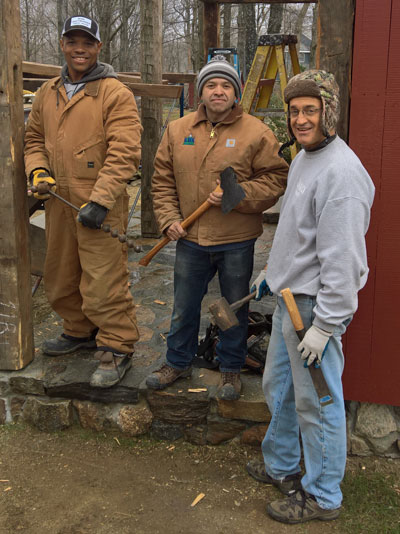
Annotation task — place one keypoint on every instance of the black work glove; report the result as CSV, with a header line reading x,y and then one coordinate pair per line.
x,y
92,215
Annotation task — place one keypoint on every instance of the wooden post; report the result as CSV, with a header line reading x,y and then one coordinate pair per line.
x,y
151,108
16,331
335,49
211,27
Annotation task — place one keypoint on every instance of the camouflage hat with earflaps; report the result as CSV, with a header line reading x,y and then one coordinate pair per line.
x,y
319,84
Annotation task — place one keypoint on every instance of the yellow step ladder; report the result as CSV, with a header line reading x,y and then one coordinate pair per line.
x,y
268,62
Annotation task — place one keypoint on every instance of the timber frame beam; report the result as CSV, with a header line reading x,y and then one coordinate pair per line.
x,y
37,73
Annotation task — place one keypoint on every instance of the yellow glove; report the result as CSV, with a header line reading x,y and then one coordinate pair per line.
x,y
39,176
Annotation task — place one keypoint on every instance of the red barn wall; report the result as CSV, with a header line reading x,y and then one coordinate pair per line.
x,y
372,344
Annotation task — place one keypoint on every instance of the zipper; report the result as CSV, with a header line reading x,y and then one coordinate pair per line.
x,y
212,133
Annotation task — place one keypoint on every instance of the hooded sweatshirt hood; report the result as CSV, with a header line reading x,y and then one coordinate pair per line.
x,y
99,70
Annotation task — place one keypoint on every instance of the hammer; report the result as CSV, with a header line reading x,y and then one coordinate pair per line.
x,y
43,188
232,195
223,312
320,385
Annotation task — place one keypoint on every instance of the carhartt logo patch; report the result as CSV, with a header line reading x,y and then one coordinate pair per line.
x,y
230,143
189,140
90,164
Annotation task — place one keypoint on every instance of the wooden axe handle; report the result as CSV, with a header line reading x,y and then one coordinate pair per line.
x,y
293,312
317,376
185,223
239,303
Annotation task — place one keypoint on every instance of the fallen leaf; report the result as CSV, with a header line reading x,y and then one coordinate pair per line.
x,y
199,497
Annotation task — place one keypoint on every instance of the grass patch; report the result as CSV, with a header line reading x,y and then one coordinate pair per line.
x,y
371,503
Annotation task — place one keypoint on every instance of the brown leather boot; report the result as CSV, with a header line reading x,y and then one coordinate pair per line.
x,y
165,376
229,386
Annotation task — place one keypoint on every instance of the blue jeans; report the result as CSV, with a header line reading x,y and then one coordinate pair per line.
x,y
194,269
295,409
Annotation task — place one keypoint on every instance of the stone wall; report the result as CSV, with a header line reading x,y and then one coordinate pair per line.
x,y
53,394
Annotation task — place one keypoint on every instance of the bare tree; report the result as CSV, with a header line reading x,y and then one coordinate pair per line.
x,y
226,29
275,18
247,41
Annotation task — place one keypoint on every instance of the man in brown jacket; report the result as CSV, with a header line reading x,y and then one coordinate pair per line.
x,y
83,138
193,152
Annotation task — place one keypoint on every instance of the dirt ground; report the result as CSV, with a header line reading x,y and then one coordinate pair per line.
x,y
76,482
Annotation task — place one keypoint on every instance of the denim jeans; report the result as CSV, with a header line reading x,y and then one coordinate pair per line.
x,y
296,410
194,269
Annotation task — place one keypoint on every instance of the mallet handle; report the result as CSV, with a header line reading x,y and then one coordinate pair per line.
x,y
185,223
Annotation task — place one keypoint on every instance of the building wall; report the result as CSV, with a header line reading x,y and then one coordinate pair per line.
x,y
372,345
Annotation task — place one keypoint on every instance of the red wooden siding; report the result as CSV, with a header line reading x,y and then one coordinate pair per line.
x,y
372,345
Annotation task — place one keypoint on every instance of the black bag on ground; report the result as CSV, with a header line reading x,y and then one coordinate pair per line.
x,y
257,344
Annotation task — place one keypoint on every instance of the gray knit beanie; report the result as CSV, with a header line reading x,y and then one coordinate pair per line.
x,y
218,67
319,84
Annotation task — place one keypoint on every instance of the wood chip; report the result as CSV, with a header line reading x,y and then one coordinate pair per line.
x,y
8,489
160,302
4,480
163,337
196,390
199,497
117,440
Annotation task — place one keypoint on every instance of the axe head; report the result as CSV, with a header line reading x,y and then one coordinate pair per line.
x,y
233,193
222,314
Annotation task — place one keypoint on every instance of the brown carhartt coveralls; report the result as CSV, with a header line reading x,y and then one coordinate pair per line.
x,y
91,146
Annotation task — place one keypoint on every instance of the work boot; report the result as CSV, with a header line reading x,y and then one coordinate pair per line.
x,y
287,485
165,376
299,508
112,368
229,386
65,344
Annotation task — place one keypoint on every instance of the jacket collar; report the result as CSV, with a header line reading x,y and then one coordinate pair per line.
x,y
234,115
91,88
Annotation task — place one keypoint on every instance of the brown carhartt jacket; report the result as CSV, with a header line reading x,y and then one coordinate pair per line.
x,y
189,161
90,144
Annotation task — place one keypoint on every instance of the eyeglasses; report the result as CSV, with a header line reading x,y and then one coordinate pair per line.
x,y
307,112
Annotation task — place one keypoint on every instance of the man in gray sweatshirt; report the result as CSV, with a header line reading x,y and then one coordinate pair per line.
x,y
318,252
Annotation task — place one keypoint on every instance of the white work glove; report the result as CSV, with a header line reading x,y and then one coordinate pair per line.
x,y
260,285
313,345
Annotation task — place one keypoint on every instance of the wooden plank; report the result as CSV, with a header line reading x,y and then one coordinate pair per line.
x,y
335,49
37,237
174,77
133,82
155,90
372,367
16,331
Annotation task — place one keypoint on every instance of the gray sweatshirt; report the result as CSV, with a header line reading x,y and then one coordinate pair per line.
x,y
319,246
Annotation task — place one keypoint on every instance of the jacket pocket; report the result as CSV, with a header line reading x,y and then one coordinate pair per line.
x,y
88,158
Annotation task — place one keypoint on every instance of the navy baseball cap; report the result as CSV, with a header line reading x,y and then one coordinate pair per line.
x,y
85,24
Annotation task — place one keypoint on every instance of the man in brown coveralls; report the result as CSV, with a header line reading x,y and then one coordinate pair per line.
x,y
83,138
